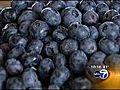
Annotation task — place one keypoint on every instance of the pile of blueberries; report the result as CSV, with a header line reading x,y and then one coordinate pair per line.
x,y
52,44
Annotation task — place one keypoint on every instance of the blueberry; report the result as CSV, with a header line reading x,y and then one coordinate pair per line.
x,y
47,39
16,52
59,60
13,66
109,30
118,41
116,19
57,44
101,9
51,49
97,58
53,87
58,5
93,32
109,14
78,31
51,16
108,46
45,68
8,15
113,60
85,5
90,17
30,79
23,28
15,83
68,46
78,61
101,5
31,59
27,15
35,45
80,83
59,76
38,6
2,54
88,45
60,33
8,30
19,5
70,15
108,2
99,1
71,3
116,6
116,1
39,29
3,77
30,3
17,40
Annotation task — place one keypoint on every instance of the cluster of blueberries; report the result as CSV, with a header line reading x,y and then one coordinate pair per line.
x,y
52,44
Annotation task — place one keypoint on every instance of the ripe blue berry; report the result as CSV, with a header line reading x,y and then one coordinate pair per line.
x,y
70,15
15,83
45,68
58,5
108,46
13,66
51,49
60,33
39,29
38,6
78,31
30,79
59,60
35,45
59,76
90,18
68,46
31,59
93,32
109,30
78,61
17,40
8,15
88,45
113,60
27,15
85,5
16,52
51,16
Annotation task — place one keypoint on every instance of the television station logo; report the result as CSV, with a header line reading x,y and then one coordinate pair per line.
x,y
102,74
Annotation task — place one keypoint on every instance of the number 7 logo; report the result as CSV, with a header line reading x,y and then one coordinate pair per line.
x,y
104,74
